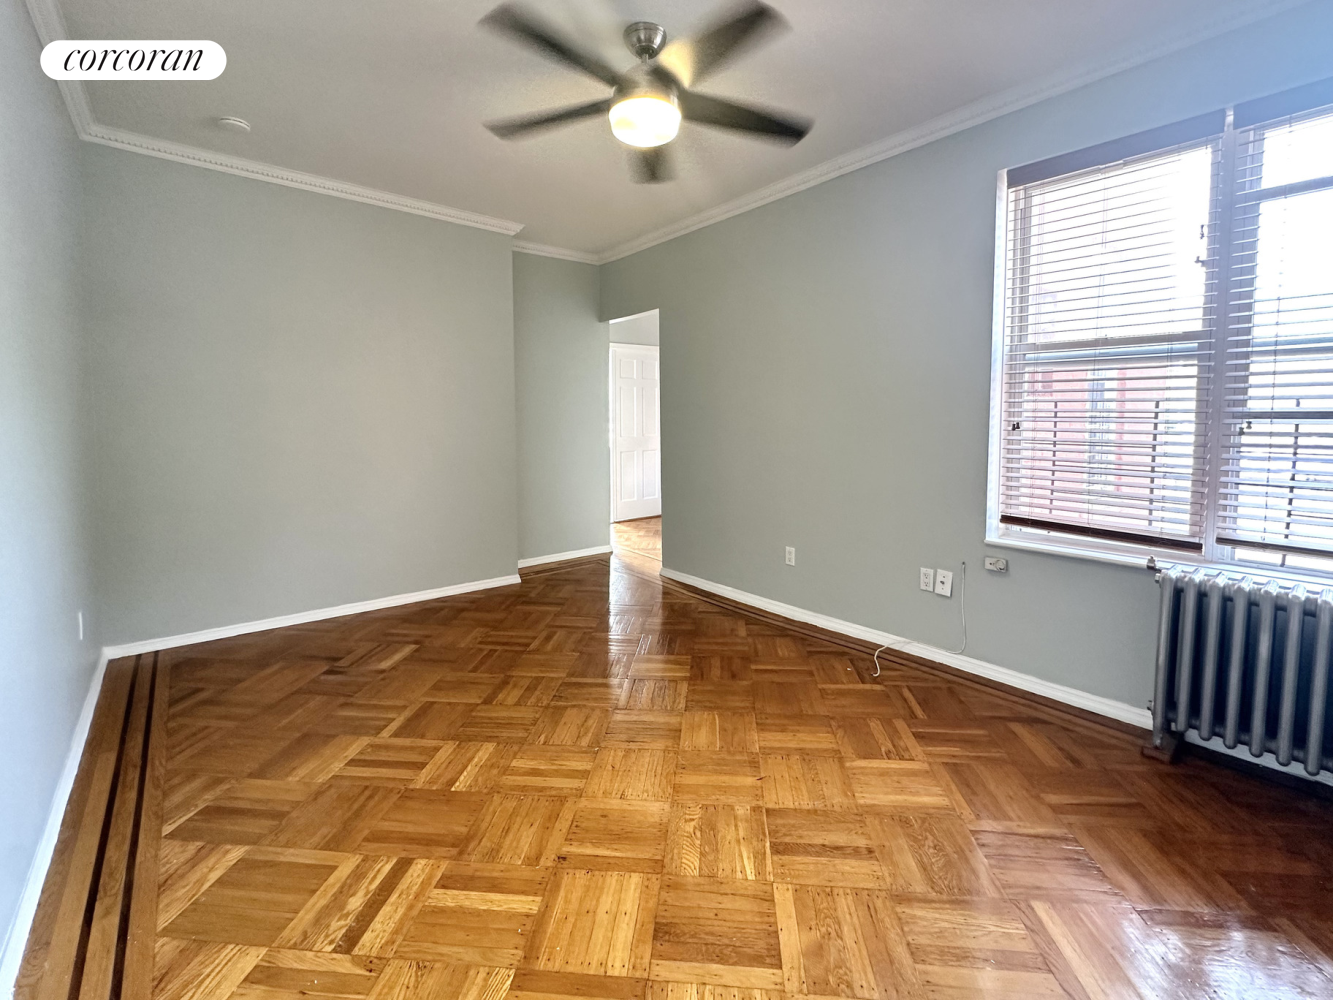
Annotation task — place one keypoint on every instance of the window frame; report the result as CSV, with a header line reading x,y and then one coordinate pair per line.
x,y
1223,127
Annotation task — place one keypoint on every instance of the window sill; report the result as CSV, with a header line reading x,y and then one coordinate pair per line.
x,y
1131,559
1156,561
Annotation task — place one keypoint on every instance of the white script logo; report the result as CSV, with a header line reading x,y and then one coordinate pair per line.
x,y
72,59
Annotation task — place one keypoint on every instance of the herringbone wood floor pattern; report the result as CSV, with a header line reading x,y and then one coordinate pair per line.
x,y
589,786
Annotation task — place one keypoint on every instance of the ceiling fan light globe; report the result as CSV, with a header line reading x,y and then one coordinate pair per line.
x,y
645,121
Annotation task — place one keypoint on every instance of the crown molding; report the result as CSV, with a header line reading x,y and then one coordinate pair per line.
x,y
560,253
50,25
977,113
256,170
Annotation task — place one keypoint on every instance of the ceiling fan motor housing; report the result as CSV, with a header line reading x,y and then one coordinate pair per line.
x,y
641,81
645,39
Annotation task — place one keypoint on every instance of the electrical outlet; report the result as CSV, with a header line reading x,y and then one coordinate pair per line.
x,y
927,579
791,556
944,583
997,565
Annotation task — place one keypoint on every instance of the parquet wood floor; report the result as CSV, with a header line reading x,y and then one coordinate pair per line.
x,y
590,786
642,536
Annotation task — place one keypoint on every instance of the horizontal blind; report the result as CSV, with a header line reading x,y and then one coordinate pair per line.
x,y
1276,485
1108,349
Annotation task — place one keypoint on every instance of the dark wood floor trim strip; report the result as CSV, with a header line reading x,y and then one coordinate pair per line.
x,y
141,916
92,936
541,569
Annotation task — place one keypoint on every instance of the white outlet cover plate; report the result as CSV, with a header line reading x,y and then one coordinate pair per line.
x,y
927,579
944,582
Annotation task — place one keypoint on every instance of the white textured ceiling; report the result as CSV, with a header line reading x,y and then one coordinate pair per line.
x,y
390,94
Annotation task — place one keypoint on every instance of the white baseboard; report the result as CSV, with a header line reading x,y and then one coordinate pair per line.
x,y
596,550
300,618
17,937
1108,707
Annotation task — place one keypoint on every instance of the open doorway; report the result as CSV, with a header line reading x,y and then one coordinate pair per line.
x,y
636,442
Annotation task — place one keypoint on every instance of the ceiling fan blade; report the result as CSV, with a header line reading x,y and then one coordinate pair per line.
x,y
515,128
740,28
651,166
512,20
707,110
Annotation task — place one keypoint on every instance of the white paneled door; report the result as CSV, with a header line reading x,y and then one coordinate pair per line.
x,y
636,442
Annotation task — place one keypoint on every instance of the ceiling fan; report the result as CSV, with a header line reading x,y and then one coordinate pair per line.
x,y
651,99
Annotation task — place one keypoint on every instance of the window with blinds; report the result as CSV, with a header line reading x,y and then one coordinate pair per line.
x,y
1165,364
1276,484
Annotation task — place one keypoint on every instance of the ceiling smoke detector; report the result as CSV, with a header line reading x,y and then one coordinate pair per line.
x,y
232,124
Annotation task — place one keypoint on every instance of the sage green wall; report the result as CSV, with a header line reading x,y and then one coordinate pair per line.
x,y
826,371
640,329
561,370
297,401
44,581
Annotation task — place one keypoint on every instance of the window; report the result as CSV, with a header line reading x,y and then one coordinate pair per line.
x,y
1164,365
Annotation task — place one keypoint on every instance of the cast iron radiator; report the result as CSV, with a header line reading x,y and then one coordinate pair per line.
x,y
1246,662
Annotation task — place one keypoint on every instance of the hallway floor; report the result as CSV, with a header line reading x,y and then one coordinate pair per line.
x,y
592,786
642,536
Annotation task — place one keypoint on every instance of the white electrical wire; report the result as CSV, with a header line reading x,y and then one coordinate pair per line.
x,y
962,610
877,652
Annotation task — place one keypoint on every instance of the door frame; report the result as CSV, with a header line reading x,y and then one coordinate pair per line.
x,y
611,415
